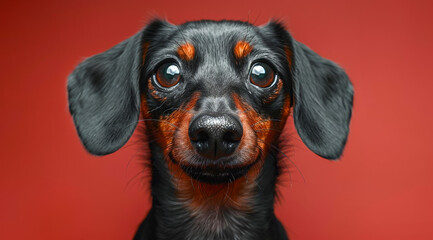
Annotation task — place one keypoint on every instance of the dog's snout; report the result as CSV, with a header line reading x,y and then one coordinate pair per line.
x,y
215,136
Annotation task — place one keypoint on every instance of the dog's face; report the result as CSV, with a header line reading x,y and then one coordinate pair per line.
x,y
220,92
215,96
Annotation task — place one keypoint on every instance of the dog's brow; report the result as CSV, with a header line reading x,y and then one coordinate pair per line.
x,y
242,49
186,51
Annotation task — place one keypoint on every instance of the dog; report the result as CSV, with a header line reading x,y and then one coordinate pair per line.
x,y
214,97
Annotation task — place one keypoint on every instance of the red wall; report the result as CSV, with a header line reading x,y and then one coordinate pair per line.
x,y
50,188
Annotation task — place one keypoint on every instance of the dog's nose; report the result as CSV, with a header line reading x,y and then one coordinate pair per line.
x,y
215,136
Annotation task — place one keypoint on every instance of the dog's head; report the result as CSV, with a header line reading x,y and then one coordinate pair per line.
x,y
215,96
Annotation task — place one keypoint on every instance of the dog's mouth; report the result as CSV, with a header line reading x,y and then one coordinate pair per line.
x,y
215,173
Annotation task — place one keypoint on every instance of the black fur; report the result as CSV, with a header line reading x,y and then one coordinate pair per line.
x,y
104,100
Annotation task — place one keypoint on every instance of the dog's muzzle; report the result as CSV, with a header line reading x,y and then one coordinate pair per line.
x,y
215,143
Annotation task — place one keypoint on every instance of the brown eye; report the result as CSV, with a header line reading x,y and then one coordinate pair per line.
x,y
167,75
262,75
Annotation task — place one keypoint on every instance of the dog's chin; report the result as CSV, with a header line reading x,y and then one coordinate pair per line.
x,y
216,175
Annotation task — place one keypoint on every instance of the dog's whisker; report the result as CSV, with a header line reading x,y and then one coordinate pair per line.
x,y
177,43
176,109
181,33
265,120
192,183
248,28
133,178
255,20
244,111
160,106
267,129
158,120
226,196
133,157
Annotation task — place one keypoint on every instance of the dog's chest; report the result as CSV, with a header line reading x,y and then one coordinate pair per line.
x,y
215,224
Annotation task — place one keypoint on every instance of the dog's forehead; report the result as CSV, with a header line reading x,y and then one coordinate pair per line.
x,y
217,30
211,42
220,37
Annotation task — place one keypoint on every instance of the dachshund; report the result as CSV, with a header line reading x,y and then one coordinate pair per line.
x,y
214,97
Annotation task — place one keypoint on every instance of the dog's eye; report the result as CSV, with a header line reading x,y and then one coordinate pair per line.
x,y
262,75
168,75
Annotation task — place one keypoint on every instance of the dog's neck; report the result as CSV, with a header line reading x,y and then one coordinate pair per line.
x,y
226,219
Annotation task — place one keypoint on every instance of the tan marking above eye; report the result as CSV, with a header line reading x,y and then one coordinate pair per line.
x,y
186,51
242,49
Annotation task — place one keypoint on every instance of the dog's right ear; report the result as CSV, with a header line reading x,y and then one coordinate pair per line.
x,y
103,92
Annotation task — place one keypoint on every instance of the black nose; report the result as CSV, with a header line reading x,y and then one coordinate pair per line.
x,y
215,136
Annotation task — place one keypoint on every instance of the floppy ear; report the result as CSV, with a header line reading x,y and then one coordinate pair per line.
x,y
323,102
104,98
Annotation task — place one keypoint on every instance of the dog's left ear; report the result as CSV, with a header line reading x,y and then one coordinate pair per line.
x,y
323,96
104,97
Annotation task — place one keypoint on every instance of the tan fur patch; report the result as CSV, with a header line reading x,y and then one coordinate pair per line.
x,y
242,49
186,51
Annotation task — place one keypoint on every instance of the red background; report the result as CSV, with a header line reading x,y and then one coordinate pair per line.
x,y
381,189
